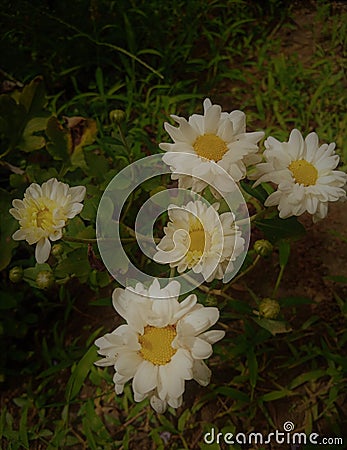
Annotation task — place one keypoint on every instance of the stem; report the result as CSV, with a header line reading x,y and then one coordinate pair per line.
x,y
81,240
278,281
249,268
124,142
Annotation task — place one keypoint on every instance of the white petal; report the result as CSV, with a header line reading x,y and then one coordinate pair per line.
x,y
146,378
212,336
42,250
201,373
198,321
77,193
158,405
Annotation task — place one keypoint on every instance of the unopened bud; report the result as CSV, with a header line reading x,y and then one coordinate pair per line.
x,y
263,247
16,274
117,116
45,279
269,308
57,250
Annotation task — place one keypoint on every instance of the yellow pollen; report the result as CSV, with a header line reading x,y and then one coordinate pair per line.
x,y
303,172
210,146
156,344
197,241
44,218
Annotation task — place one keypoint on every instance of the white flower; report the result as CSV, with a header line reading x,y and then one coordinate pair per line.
x,y
215,136
163,343
43,213
198,238
304,173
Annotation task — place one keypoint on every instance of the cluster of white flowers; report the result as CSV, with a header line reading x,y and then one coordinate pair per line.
x,y
165,341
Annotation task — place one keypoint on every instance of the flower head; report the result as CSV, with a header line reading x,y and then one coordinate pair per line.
x,y
198,238
304,173
215,136
43,213
163,343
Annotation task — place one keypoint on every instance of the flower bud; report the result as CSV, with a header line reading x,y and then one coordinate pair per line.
x,y
117,116
263,247
16,274
45,279
269,308
57,250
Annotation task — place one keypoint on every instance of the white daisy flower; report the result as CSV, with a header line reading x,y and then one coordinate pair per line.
x,y
215,136
304,173
163,343
198,238
43,213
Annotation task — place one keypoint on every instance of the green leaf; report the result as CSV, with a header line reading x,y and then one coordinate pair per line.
x,y
252,367
75,265
13,120
59,145
8,225
33,97
80,373
275,229
30,274
308,376
275,395
259,192
274,326
235,394
30,141
284,251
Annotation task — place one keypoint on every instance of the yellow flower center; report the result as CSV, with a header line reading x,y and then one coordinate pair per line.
x,y
156,344
303,172
197,241
210,146
44,218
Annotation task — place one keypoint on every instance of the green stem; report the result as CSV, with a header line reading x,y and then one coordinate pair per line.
x,y
124,142
278,281
249,268
81,240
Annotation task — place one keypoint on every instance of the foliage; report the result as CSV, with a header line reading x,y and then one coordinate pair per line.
x,y
152,59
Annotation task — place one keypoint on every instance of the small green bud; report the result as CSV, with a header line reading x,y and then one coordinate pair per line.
x,y
16,274
263,247
45,279
117,116
269,308
57,250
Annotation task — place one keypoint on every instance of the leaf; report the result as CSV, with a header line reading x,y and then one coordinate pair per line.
x,y
235,394
275,395
308,376
275,229
8,225
12,120
80,373
59,145
31,273
259,192
30,141
274,326
33,97
252,367
284,251
75,265
82,132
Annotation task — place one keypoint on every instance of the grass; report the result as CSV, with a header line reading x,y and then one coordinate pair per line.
x,y
153,59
